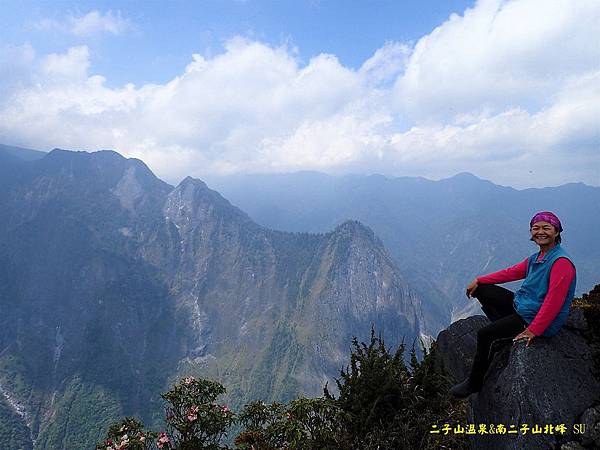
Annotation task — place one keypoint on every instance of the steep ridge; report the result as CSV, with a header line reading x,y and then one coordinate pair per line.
x,y
82,330
113,282
305,295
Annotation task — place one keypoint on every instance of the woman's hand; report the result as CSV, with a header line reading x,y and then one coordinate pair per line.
x,y
471,288
525,334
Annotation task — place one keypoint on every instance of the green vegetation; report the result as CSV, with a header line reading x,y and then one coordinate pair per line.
x,y
194,420
283,351
303,424
81,414
389,405
13,429
382,404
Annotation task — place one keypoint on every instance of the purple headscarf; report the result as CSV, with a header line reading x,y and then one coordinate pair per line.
x,y
546,216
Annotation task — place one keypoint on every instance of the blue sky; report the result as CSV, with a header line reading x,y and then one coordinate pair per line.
x,y
505,89
160,36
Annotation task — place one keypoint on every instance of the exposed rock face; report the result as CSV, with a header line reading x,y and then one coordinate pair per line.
x,y
551,382
112,283
279,308
457,344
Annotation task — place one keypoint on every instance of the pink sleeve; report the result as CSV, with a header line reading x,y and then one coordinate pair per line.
x,y
513,273
561,276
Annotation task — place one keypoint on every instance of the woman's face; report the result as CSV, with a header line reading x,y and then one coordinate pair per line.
x,y
543,233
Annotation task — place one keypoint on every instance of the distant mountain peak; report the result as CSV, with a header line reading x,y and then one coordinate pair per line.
x,y
352,225
356,229
465,176
467,179
103,162
192,198
83,153
191,182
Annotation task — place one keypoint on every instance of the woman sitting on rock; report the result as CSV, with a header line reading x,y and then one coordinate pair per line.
x,y
539,307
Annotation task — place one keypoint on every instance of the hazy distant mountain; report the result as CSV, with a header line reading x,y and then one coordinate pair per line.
x,y
25,154
441,233
112,282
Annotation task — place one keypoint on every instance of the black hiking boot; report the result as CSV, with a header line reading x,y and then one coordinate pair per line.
x,y
466,388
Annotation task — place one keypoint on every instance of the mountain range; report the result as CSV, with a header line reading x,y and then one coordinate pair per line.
x,y
114,283
441,234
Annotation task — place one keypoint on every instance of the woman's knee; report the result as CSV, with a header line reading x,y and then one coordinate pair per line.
x,y
484,291
485,334
492,293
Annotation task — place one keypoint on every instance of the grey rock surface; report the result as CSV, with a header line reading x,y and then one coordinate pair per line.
x,y
591,419
550,382
457,344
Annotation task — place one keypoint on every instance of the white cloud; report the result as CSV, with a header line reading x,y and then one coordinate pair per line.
x,y
387,63
94,22
499,55
72,65
508,91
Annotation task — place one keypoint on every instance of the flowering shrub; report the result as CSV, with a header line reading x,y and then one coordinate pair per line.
x,y
382,404
163,440
194,419
129,434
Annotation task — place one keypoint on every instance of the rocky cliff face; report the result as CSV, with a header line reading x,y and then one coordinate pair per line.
x,y
112,283
84,323
292,301
553,381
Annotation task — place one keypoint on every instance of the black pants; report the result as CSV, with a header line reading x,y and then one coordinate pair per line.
x,y
497,304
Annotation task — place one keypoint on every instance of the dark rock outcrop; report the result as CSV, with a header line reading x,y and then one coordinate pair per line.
x,y
551,382
456,346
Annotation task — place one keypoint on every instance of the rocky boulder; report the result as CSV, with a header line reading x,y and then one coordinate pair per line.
x,y
552,382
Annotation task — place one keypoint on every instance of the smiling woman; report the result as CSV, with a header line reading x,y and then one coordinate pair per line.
x,y
539,308
544,233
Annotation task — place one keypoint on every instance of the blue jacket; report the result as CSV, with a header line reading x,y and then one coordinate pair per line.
x,y
529,298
